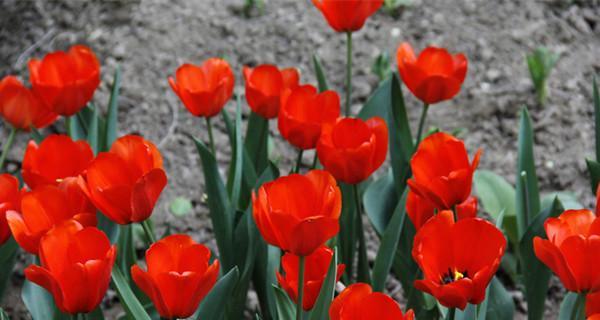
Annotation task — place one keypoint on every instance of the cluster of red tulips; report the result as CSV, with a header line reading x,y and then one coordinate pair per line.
x,y
303,231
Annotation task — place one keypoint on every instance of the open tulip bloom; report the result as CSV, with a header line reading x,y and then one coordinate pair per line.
x,y
359,302
10,199
264,86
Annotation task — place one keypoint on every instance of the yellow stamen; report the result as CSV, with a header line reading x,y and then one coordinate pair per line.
x,y
458,275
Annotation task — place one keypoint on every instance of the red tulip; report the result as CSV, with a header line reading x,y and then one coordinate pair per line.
x,y
458,259
316,267
76,265
572,250
44,208
359,302
592,306
55,159
10,199
125,183
298,213
264,86
352,149
20,107
347,16
204,89
304,111
420,210
66,81
441,171
434,76
179,275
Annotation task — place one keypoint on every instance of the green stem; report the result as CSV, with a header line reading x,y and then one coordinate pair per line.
x,y
421,124
299,161
579,308
300,288
148,231
450,315
7,145
348,71
315,161
363,266
82,122
210,136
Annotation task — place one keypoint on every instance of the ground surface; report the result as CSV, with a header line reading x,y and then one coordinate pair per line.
x,y
149,39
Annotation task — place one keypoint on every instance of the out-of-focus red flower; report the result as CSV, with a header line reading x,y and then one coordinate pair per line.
x,y
420,210
76,263
359,302
352,149
125,183
347,16
10,199
179,275
441,171
56,158
20,107
316,267
66,81
434,76
298,213
44,208
264,86
303,113
572,250
204,89
592,306
458,259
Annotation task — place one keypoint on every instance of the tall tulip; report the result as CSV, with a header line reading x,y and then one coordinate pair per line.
x,y
264,86
20,107
420,210
359,302
347,16
10,199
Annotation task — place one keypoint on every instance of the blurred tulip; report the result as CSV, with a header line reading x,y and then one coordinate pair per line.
x,y
316,267
76,264
56,158
66,81
458,259
204,89
352,149
179,275
592,306
434,76
441,171
303,113
298,213
420,210
20,107
359,302
264,86
125,183
347,16
10,199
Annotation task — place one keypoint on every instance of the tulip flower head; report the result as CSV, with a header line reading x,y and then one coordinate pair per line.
x,y
66,81
76,263
352,149
359,302
420,210
204,89
179,275
346,15
458,259
21,107
264,86
434,76
298,213
10,199
592,306
316,267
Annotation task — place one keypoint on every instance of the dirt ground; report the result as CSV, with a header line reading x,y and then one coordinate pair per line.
x,y
149,39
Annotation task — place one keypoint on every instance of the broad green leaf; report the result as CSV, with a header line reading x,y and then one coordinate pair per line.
x,y
469,313
286,310
380,199
214,304
126,256
130,303
180,206
92,132
320,309
8,256
347,235
594,171
238,154
257,136
500,305
113,110
321,79
527,193
567,199
567,305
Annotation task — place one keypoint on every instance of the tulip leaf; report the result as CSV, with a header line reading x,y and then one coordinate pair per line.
x,y
8,256
92,132
238,154
596,95
320,309
347,234
469,313
285,306
257,137
594,171
499,304
540,63
321,79
113,110
535,274
126,256
3,315
180,206
214,304
527,193
567,199
107,226
567,305
380,199
130,303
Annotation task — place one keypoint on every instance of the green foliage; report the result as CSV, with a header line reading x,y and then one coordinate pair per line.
x,y
381,66
180,206
213,305
541,62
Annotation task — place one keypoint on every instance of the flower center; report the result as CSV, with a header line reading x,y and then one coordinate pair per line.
x,y
453,275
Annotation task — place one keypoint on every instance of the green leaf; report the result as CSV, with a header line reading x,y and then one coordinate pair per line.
x,y
238,155
380,199
286,310
126,256
528,196
347,235
540,63
130,303
8,256
567,305
321,79
92,135
500,305
469,313
36,135
113,110
107,226
567,199
3,315
213,305
596,95
257,136
594,171
381,66
181,206
320,309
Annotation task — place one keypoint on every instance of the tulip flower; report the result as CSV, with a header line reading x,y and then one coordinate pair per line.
x,y
359,302
352,149
56,158
10,199
298,213
303,113
347,16
458,259
76,263
441,171
434,76
204,89
317,265
420,210
66,81
179,275
125,183
264,86
572,249
20,107
45,207
592,306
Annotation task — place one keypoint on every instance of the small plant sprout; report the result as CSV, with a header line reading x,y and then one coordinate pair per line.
x,y
381,66
540,63
392,6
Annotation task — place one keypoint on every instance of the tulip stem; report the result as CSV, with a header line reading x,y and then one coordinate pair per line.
x,y
421,124
450,315
7,145
300,288
299,161
362,273
579,308
148,231
210,136
315,161
348,71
